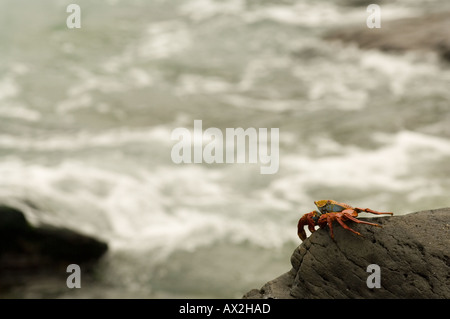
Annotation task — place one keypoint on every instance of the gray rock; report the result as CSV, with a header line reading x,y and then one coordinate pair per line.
x,y
426,33
412,251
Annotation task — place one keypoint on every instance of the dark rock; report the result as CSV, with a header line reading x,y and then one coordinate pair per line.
x,y
27,251
426,33
12,221
412,251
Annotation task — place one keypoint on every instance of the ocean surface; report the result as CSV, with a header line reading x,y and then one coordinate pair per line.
x,y
86,117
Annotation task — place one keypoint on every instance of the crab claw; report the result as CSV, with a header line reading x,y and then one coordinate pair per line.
x,y
306,219
300,228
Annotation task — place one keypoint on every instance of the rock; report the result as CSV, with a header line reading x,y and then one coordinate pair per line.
x,y
426,33
27,251
412,251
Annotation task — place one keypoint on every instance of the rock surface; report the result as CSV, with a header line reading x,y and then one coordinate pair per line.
x,y
412,251
27,251
427,33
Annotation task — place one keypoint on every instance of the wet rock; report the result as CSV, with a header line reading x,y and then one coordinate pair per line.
x,y
27,251
426,33
412,252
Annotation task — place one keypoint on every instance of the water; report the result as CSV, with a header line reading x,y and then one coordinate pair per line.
x,y
86,116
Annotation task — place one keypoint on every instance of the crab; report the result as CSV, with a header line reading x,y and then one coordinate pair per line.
x,y
329,211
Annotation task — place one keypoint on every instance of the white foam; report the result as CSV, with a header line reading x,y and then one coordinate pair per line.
x,y
323,14
8,88
163,39
414,142
276,105
16,111
199,10
83,139
299,14
196,84
158,40
389,168
400,71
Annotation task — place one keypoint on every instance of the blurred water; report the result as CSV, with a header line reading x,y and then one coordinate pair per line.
x,y
86,116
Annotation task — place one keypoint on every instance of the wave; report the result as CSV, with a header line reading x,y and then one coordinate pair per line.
x,y
168,208
391,176
299,13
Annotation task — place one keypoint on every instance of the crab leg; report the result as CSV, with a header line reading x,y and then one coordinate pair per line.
x,y
340,221
311,223
360,221
368,210
330,225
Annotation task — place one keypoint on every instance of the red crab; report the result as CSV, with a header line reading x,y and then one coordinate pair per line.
x,y
329,211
